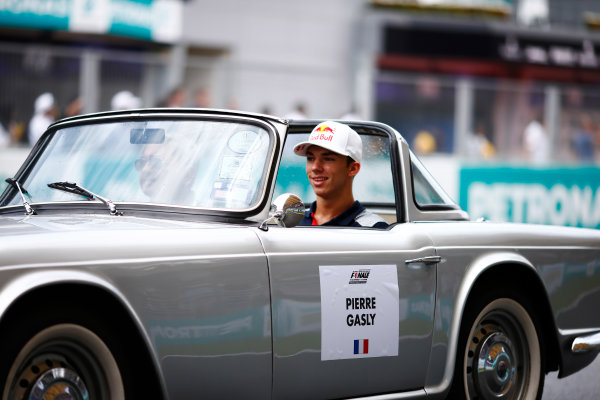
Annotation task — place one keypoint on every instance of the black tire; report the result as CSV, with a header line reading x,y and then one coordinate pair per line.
x,y
61,352
500,352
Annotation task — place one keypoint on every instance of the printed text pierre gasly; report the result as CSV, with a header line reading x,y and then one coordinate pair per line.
x,y
360,303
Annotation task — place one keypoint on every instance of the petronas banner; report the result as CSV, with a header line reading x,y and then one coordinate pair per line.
x,y
554,196
156,20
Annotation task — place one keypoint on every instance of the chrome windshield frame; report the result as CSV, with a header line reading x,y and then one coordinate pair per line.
x,y
266,123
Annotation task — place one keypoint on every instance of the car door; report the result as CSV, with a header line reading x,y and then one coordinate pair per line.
x,y
352,310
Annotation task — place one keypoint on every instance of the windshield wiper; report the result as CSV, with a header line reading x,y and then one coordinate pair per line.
x,y
22,191
72,187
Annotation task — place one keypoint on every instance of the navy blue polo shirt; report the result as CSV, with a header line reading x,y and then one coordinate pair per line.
x,y
347,218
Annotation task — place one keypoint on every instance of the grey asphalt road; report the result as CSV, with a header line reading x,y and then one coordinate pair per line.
x,y
583,385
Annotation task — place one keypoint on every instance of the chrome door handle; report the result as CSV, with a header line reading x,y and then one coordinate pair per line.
x,y
424,260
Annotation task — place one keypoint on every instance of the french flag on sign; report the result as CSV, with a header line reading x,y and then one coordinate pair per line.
x,y
361,346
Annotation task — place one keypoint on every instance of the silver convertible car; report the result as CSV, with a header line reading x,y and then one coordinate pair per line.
x,y
155,254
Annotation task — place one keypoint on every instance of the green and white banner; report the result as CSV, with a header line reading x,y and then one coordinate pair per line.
x,y
554,196
157,20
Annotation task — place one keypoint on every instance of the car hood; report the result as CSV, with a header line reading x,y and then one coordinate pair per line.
x,y
34,225
81,238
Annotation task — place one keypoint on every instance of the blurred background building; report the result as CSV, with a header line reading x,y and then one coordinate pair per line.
x,y
471,84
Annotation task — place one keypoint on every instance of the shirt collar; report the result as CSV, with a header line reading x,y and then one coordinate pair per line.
x,y
346,218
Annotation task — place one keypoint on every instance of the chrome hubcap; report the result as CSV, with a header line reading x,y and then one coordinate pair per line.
x,y
59,384
492,364
495,371
51,379
502,359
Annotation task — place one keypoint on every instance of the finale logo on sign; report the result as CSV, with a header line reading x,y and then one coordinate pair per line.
x,y
359,276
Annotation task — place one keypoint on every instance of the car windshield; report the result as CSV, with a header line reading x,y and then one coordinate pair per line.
x,y
191,163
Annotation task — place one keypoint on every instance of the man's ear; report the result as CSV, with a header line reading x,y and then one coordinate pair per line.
x,y
353,168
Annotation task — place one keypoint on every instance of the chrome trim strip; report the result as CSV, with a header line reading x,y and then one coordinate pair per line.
x,y
120,261
518,247
335,252
392,251
417,394
583,344
578,332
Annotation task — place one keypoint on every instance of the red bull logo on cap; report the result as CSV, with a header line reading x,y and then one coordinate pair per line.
x,y
324,128
322,133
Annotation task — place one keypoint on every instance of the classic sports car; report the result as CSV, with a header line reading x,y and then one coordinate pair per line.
x,y
154,254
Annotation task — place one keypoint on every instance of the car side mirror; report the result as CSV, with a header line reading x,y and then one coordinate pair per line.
x,y
288,211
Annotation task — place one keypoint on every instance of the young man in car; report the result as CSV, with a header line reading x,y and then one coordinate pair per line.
x,y
333,156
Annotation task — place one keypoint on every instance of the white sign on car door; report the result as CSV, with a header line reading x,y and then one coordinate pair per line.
x,y
359,311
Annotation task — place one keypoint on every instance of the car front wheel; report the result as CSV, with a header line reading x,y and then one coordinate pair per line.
x,y
500,353
64,361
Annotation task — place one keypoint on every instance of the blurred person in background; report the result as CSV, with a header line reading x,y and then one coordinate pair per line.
x,y
597,136
351,115
4,137
536,142
424,143
583,139
9,129
75,107
299,112
232,104
202,98
44,114
176,98
266,109
478,145
125,100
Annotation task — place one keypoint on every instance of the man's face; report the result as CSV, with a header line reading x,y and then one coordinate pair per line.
x,y
166,172
150,166
329,173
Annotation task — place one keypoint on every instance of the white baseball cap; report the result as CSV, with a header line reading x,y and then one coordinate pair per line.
x,y
44,103
333,136
125,100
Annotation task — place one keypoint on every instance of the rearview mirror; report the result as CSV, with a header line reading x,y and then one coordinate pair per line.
x,y
147,136
288,211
